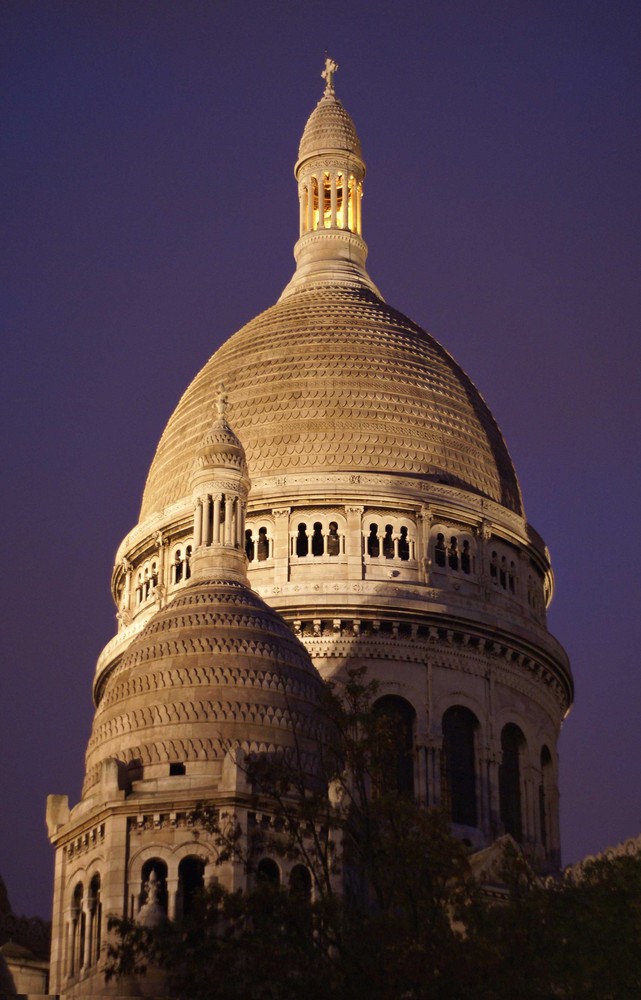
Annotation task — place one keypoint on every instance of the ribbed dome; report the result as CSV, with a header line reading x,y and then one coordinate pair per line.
x,y
215,668
220,448
329,127
333,379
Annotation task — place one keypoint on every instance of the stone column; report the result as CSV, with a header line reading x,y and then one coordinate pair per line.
x,y
302,209
207,518
161,542
281,544
229,516
484,535
215,535
434,747
423,524
354,542
421,782
490,762
86,913
126,593
530,804
198,524
240,523
172,897
310,205
333,201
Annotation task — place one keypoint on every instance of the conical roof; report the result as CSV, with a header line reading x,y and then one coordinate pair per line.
x,y
214,669
329,127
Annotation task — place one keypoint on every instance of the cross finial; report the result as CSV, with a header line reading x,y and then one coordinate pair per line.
x,y
328,75
221,401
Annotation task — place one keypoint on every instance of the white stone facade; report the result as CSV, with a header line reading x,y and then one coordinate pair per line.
x,y
385,526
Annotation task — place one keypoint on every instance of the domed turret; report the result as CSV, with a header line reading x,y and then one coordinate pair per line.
x,y
220,486
216,667
330,173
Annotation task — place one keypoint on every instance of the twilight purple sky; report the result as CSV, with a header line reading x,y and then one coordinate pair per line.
x,y
149,210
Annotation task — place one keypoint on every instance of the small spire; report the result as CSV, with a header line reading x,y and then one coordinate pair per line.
x,y
221,401
328,75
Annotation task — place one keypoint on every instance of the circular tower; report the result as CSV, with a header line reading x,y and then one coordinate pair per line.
x,y
211,676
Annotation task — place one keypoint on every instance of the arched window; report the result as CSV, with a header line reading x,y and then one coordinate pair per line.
x,y
191,881
512,747
459,765
503,573
262,546
388,542
300,883
268,873
302,541
178,567
439,550
466,558
396,745
494,566
333,540
159,868
187,562
452,553
318,542
373,544
403,545
249,545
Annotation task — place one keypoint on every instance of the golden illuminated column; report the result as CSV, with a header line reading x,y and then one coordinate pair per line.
x,y
333,202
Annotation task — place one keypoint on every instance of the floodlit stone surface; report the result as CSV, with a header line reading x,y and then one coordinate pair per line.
x,y
330,492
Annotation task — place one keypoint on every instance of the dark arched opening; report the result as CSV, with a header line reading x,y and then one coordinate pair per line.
x,y
302,541
396,743
191,881
459,765
300,883
268,873
512,746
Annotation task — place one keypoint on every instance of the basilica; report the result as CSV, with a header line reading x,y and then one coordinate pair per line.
x,y
331,492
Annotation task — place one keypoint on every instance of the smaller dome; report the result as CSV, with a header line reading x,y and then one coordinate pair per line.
x,y
219,447
329,127
215,668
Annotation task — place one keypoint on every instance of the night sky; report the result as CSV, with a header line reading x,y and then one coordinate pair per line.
x,y
149,210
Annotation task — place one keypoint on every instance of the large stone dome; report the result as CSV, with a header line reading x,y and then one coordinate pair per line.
x,y
333,379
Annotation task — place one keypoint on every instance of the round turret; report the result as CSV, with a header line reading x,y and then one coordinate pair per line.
x,y
213,670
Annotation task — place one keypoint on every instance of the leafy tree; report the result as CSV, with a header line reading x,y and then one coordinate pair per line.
x,y
395,913
29,932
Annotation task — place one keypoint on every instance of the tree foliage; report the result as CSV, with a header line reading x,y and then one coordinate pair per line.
x,y
395,913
